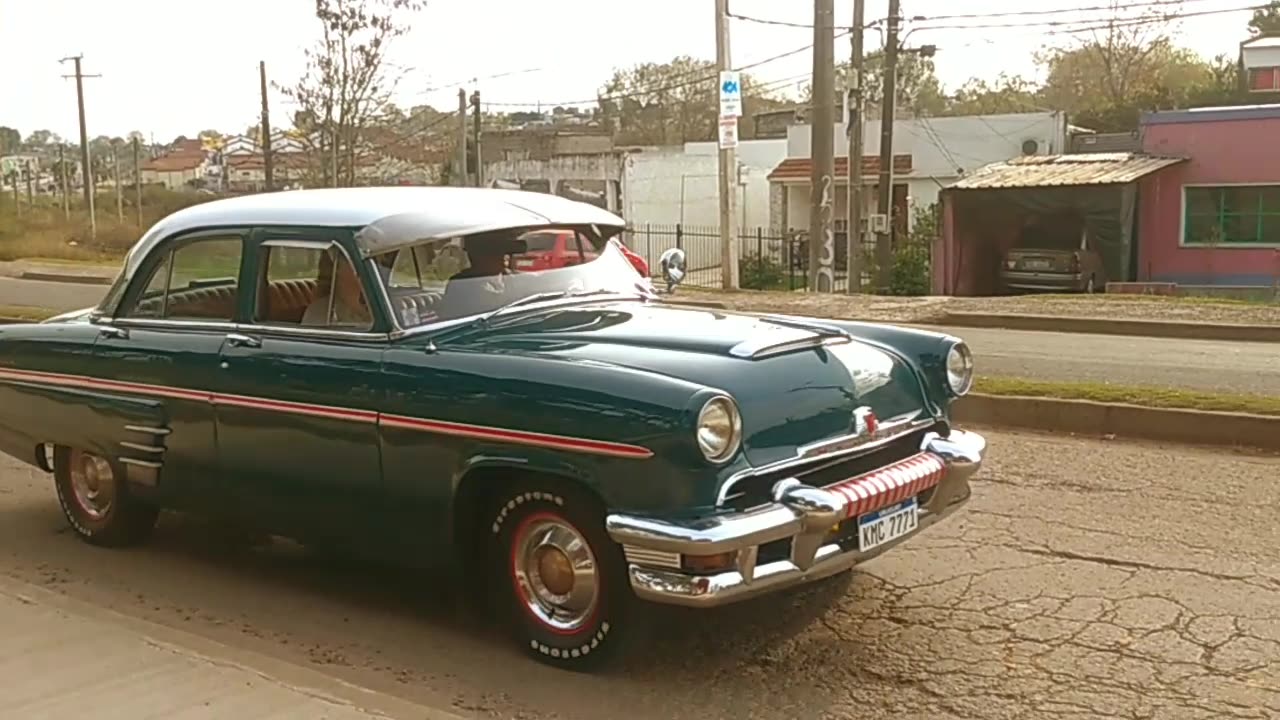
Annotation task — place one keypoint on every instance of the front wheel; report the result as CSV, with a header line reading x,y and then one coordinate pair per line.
x,y
564,580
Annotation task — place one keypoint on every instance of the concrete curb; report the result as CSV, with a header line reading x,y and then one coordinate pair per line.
x,y
64,278
1196,427
1109,326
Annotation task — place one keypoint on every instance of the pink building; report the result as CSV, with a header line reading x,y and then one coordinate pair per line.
x,y
1215,219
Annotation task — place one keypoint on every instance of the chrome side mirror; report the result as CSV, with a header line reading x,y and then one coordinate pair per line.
x,y
672,264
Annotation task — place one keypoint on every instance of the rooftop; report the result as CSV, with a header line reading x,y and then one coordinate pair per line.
x,y
1262,41
1212,114
1065,170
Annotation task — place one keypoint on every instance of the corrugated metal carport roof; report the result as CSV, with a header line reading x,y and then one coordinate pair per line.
x,y
1065,170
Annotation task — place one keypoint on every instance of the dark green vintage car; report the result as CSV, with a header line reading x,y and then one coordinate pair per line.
x,y
367,369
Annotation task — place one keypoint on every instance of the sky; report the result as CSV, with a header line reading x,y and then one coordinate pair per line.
x,y
175,67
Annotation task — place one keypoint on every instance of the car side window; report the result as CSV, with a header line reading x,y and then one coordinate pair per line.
x,y
312,286
197,280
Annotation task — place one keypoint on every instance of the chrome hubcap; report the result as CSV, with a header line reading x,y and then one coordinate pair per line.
x,y
555,573
93,483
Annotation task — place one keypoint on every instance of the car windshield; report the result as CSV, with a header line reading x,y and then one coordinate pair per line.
x,y
436,281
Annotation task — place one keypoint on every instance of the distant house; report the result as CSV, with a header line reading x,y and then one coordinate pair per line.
x,y
1260,65
175,171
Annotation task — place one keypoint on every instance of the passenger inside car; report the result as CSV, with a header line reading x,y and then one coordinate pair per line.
x,y
340,300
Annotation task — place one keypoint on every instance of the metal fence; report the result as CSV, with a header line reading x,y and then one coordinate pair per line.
x,y
771,261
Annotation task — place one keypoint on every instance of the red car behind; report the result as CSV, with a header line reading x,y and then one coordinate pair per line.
x,y
552,249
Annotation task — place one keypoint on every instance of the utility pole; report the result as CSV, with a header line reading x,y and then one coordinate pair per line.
x,y
62,171
86,171
728,187
821,141
137,178
475,107
853,117
884,243
31,197
461,158
17,203
115,166
267,153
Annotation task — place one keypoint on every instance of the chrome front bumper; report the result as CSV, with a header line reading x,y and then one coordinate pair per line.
x,y
657,550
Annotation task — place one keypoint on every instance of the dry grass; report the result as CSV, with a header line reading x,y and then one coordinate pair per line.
x,y
43,231
24,312
1130,394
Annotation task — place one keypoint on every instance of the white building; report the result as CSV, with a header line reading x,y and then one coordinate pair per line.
x,y
1260,58
929,154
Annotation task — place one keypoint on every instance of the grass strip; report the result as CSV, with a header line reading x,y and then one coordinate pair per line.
x,y
25,312
1146,396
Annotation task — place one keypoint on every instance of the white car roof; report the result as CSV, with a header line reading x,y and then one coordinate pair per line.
x,y
408,214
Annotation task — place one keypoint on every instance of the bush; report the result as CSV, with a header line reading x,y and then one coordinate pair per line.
x,y
757,272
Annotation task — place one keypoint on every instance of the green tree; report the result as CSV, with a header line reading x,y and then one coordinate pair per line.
x,y
38,139
918,89
671,102
10,140
1008,94
1266,20
348,81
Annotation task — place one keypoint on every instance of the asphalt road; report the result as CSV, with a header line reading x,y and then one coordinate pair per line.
x,y
1191,364
53,295
1085,579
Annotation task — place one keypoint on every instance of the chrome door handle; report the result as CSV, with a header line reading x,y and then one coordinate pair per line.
x,y
113,332
247,341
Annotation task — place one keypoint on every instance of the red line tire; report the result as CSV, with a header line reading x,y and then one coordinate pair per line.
x,y
563,581
96,501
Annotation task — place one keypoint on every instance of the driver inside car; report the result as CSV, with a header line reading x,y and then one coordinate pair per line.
x,y
482,285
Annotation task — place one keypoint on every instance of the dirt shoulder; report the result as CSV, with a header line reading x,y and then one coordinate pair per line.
x,y
934,309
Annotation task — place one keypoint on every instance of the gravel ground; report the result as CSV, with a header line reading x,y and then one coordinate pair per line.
x,y
1085,579
932,309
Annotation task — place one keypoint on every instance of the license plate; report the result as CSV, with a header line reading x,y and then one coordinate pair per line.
x,y
887,524
1038,264
524,263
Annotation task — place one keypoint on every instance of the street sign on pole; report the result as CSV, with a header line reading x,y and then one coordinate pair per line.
x,y
728,133
730,94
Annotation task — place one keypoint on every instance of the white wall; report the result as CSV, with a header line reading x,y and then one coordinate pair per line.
x,y
1264,56
652,187
948,147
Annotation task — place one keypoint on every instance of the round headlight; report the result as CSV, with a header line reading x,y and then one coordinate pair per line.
x,y
719,429
960,369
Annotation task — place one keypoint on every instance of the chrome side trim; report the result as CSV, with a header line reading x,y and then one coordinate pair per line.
x,y
142,448
147,430
835,448
141,463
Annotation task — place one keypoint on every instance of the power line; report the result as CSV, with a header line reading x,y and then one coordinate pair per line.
x,y
702,77
1091,24
1146,5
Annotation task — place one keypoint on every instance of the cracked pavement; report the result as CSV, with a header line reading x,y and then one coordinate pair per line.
x,y
1086,579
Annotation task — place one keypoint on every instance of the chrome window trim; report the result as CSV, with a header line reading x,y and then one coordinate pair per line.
x,y
838,448
254,328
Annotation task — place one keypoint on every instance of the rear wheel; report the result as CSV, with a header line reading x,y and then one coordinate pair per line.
x,y
96,500
564,581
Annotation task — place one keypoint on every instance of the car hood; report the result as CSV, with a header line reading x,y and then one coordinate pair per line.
x,y
792,389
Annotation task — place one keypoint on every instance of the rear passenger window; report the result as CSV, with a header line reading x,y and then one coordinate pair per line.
x,y
312,286
194,281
